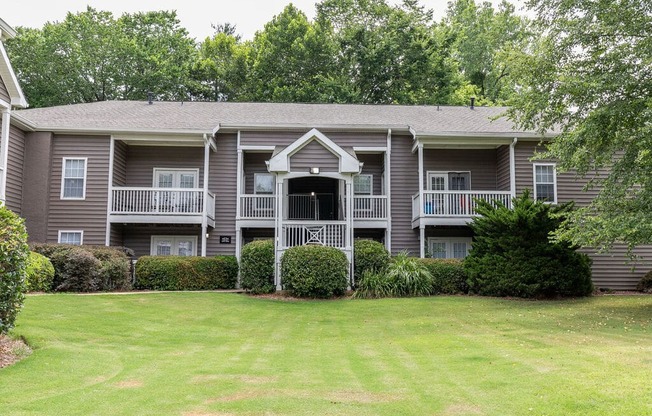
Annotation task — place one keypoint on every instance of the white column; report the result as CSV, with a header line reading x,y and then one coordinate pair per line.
x,y
238,250
349,225
278,218
239,174
388,191
204,221
4,154
422,241
512,168
109,204
421,187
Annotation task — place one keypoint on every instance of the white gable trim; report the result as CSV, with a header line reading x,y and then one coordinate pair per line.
x,y
281,161
9,78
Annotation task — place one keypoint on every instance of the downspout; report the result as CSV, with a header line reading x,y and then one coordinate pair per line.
x,y
4,154
204,221
388,190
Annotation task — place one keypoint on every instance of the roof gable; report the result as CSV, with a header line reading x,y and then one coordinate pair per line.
x,y
11,82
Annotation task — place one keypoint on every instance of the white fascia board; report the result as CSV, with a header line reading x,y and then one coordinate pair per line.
x,y
117,132
21,122
301,126
9,78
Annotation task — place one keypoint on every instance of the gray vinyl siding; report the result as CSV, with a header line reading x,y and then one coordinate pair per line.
x,y
139,237
88,214
314,154
404,183
119,164
253,163
141,161
4,93
116,239
284,138
15,169
614,270
481,163
251,234
37,183
373,165
222,181
502,169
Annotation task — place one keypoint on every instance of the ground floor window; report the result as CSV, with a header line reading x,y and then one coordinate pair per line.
x,y
174,245
75,237
448,248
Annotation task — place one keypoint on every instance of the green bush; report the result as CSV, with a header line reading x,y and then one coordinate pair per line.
x,y
448,276
512,254
101,268
315,271
39,273
409,277
13,258
373,285
257,267
645,284
369,255
186,273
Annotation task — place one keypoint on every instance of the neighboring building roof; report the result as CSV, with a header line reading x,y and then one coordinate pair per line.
x,y
202,117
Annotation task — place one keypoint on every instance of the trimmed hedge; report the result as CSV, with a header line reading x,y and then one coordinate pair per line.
x,y
39,273
315,271
87,268
13,259
369,256
257,267
448,276
186,273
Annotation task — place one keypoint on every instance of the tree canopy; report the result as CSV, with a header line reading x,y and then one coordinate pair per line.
x,y
589,77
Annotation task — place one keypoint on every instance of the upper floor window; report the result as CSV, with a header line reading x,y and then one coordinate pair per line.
x,y
363,184
73,178
263,183
449,181
545,182
71,237
176,178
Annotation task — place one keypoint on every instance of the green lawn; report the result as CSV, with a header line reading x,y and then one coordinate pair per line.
x,y
222,354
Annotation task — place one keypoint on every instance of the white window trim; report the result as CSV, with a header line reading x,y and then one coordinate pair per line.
x,y
193,170
81,237
371,183
449,244
152,246
256,174
554,180
63,177
447,173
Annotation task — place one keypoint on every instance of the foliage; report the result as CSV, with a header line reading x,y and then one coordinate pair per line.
x,y
373,285
39,273
186,273
645,285
257,266
315,271
512,254
588,78
409,277
369,256
448,276
13,257
87,268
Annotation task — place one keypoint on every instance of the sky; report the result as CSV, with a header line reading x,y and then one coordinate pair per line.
x,y
196,16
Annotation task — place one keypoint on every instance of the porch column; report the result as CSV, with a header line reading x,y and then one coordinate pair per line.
x,y
388,191
278,237
109,204
4,154
238,250
421,187
204,221
512,168
239,174
349,226
422,241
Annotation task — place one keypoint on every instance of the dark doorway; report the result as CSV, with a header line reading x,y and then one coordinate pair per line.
x,y
313,198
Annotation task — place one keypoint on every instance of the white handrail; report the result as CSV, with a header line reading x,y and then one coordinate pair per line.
x,y
455,203
158,201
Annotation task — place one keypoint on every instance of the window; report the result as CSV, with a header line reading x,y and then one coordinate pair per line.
x,y
73,178
178,245
75,237
448,248
263,183
545,182
363,185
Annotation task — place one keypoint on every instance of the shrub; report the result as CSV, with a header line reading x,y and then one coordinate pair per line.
x,y
645,285
257,266
112,267
513,256
186,273
448,276
369,255
315,271
373,285
409,277
39,273
13,259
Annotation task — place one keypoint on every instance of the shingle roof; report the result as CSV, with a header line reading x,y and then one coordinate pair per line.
x,y
205,116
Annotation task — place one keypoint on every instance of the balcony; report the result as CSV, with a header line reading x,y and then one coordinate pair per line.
x,y
452,207
161,206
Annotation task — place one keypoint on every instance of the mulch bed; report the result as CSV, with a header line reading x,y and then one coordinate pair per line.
x,y
12,350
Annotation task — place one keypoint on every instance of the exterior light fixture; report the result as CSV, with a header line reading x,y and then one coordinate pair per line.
x,y
314,171
207,235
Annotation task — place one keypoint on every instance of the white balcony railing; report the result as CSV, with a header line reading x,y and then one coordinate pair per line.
x,y
298,233
455,203
257,206
370,207
161,201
